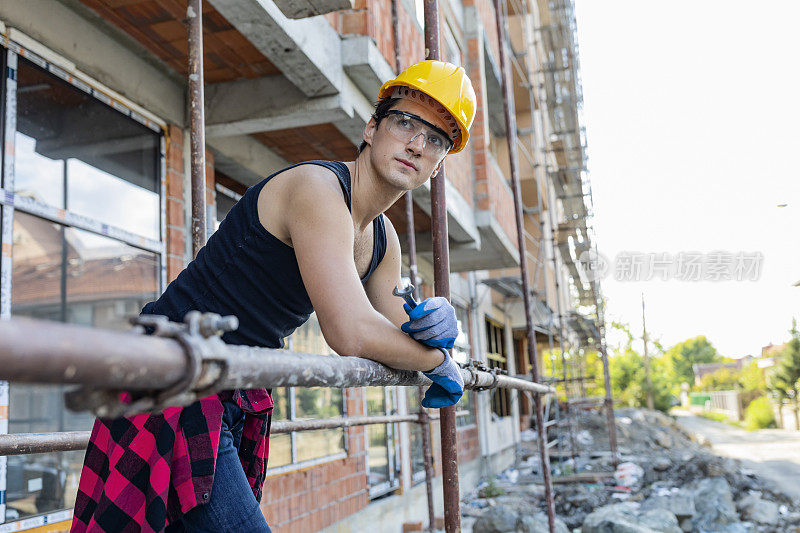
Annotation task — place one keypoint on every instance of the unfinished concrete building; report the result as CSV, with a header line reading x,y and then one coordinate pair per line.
x,y
95,202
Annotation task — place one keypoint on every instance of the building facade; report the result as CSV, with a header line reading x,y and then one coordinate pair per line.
x,y
96,201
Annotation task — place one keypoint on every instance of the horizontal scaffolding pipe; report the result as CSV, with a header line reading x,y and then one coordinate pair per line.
x,y
67,441
36,351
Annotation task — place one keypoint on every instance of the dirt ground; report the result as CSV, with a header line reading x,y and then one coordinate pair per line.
x,y
773,453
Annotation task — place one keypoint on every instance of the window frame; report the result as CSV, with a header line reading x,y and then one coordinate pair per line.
x,y
392,439
291,409
495,337
11,203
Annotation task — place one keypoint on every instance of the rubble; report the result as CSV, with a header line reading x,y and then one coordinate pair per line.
x,y
665,482
629,518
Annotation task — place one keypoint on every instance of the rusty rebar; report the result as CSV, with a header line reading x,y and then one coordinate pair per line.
x,y
509,111
197,123
441,286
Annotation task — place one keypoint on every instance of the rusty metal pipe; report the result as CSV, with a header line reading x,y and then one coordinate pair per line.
x,y
427,457
38,351
28,443
441,283
66,441
197,123
509,110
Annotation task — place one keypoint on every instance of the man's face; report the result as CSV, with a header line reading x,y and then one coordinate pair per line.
x,y
405,165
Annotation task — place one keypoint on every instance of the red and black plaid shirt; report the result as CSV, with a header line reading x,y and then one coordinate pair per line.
x,y
143,472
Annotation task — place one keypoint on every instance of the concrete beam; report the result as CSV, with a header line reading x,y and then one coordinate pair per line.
x,y
494,251
307,51
365,65
494,92
298,9
267,104
244,158
362,108
93,47
460,218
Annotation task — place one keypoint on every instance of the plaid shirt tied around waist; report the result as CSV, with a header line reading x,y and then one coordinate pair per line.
x,y
143,472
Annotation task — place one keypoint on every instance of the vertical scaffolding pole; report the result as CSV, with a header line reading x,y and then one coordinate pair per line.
x,y
649,381
565,376
511,137
197,123
424,419
441,286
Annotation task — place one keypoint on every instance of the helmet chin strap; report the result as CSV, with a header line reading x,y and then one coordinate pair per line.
x,y
418,96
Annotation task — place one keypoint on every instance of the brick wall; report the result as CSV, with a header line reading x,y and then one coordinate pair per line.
x,y
458,169
374,18
485,10
176,220
468,444
490,190
501,201
179,200
310,499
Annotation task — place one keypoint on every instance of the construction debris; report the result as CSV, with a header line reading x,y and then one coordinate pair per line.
x,y
667,482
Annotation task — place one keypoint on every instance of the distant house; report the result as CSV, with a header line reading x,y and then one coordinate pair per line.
x,y
704,369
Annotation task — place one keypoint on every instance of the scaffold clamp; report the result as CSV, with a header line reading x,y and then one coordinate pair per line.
x,y
199,334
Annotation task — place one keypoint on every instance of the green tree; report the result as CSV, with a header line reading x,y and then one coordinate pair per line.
x,y
690,352
628,379
785,379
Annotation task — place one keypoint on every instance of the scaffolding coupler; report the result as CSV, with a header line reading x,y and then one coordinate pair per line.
x,y
199,335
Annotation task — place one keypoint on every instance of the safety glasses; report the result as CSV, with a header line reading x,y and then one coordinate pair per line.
x,y
406,127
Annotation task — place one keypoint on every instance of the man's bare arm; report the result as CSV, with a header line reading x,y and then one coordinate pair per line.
x,y
385,278
321,232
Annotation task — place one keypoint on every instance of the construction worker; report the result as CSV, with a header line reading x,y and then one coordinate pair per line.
x,y
309,238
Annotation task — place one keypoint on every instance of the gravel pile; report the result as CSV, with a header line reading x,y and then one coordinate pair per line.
x,y
667,482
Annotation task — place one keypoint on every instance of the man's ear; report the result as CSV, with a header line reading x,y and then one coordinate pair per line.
x,y
369,131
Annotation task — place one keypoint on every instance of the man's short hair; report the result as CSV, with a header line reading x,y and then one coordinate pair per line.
x,y
382,108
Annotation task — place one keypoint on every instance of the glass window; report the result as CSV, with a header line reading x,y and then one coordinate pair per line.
x,y
318,403
65,274
382,452
71,275
415,436
280,446
77,153
304,404
497,356
225,200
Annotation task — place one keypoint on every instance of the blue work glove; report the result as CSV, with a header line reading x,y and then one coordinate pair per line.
x,y
447,386
432,322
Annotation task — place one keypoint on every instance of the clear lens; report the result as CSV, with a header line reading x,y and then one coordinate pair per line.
x,y
405,128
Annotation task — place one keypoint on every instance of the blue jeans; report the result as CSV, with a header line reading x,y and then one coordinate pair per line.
x,y
232,507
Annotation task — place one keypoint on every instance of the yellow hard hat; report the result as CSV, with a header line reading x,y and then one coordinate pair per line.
x,y
445,83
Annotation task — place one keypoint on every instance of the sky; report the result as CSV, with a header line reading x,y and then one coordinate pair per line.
x,y
692,111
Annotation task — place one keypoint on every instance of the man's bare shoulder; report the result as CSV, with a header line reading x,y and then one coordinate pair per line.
x,y
296,192
392,240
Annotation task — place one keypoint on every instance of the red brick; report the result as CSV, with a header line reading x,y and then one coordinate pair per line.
x,y
174,266
355,22
175,184
176,241
175,213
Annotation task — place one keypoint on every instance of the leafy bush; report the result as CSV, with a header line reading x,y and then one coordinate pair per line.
x,y
759,415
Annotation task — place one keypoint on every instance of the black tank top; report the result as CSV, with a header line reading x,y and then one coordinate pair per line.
x,y
246,271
